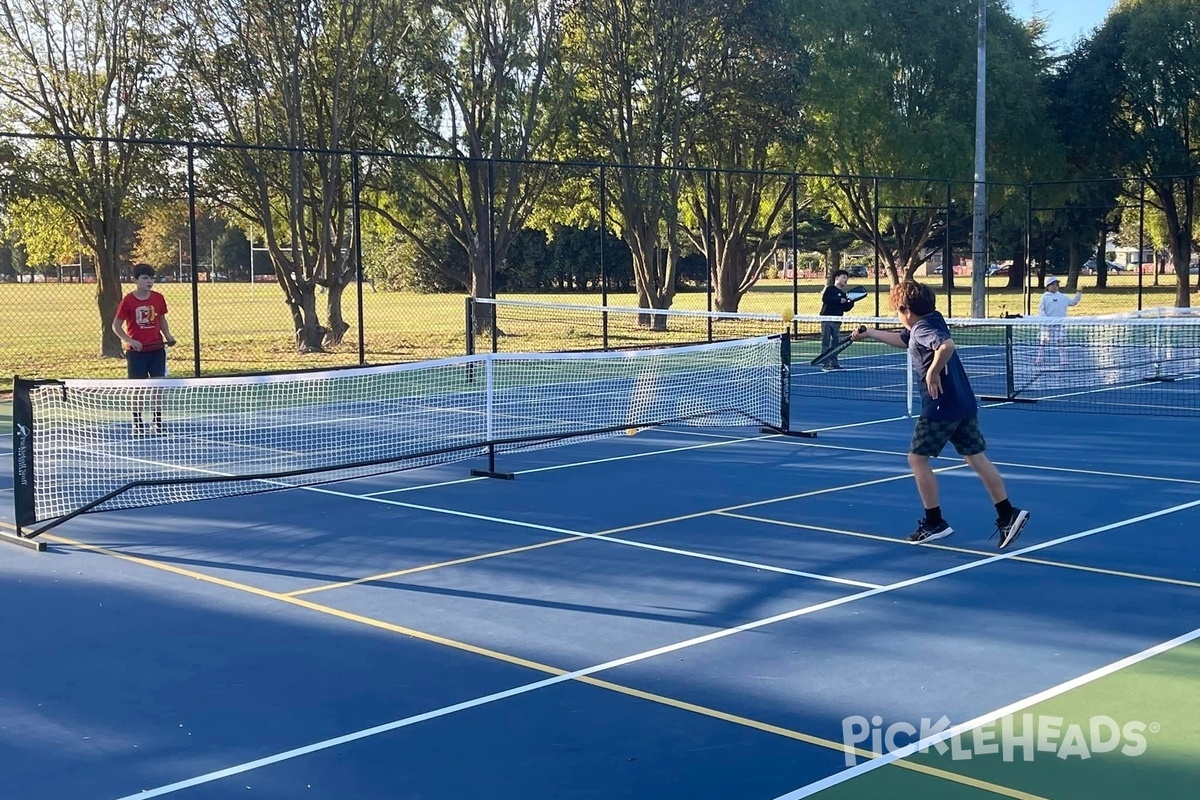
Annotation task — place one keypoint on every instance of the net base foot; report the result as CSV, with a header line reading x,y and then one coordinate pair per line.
x,y
487,473
797,434
13,538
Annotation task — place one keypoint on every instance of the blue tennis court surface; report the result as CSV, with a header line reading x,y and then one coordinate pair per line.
x,y
677,614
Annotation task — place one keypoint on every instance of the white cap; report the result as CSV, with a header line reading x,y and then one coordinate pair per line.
x,y
1051,279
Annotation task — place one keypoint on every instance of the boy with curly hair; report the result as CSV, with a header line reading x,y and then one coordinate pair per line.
x,y
949,412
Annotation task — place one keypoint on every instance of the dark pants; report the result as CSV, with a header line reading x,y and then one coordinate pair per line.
x,y
830,336
146,363
143,364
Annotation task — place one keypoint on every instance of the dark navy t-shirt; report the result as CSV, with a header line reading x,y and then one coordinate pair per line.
x,y
957,400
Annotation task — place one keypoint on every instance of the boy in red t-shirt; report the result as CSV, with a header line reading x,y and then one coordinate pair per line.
x,y
141,323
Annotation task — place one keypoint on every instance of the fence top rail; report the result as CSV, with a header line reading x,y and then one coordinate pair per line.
x,y
1134,320
353,151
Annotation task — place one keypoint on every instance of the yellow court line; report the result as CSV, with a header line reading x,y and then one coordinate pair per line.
x,y
966,550
423,568
994,788
507,658
569,539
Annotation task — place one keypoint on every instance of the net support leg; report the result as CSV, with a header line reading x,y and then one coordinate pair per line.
x,y
785,393
491,472
797,434
22,541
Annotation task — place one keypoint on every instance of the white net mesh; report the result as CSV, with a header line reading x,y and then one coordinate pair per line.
x,y
1136,364
178,440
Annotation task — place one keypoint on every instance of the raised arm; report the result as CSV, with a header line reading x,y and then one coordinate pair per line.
x,y
887,337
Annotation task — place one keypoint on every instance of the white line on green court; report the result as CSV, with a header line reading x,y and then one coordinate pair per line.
x,y
635,658
992,716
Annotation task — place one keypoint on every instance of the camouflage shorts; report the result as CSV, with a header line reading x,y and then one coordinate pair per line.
x,y
931,435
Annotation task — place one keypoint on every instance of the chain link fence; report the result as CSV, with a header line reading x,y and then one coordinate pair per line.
x,y
274,259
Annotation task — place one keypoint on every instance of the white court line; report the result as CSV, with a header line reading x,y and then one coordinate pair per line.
x,y
604,538
992,716
904,418
566,531
726,440
632,659
605,535
1120,388
1017,465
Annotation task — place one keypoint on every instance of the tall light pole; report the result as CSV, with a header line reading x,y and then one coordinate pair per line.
x,y
979,227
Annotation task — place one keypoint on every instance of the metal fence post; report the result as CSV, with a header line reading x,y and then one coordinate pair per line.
x,y
355,188
191,168
708,249
603,264
875,237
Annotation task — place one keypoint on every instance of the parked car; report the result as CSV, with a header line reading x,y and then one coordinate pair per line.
x,y
1089,266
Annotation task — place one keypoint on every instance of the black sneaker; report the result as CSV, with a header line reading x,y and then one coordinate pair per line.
x,y
930,531
1009,529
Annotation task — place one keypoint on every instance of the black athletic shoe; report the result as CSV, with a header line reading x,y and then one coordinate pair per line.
x,y
1009,529
930,531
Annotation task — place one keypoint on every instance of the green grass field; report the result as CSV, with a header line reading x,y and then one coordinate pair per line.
x,y
54,329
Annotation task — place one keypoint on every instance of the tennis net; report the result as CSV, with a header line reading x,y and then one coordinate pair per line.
x,y
1145,364
84,445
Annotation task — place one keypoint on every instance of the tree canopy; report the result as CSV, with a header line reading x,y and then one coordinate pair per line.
x,y
456,136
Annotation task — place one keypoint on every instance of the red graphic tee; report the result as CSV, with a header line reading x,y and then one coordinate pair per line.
x,y
142,319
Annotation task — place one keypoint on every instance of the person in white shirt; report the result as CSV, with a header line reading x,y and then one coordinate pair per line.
x,y
1054,305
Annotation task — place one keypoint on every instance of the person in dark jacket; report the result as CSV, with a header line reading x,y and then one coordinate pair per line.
x,y
834,303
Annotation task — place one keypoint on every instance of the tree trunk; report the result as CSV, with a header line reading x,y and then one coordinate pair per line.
x,y
643,298
729,273
1072,266
103,235
310,333
108,297
337,322
301,299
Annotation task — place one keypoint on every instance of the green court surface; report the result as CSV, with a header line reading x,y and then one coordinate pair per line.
x,y
1161,693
